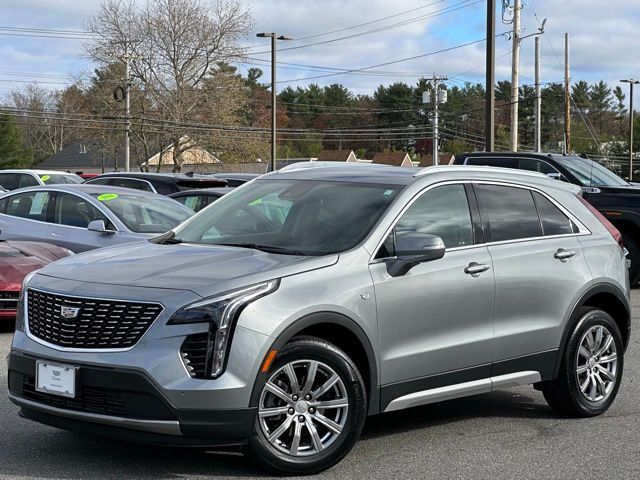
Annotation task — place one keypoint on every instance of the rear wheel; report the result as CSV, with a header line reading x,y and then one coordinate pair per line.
x,y
311,409
591,367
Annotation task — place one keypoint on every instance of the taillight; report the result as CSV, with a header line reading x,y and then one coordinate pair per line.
x,y
615,233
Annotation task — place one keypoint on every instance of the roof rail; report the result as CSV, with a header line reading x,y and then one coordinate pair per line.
x,y
478,169
326,164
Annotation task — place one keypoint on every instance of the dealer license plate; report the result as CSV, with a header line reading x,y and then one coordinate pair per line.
x,y
55,378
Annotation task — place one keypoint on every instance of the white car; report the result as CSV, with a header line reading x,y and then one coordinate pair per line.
x,y
18,178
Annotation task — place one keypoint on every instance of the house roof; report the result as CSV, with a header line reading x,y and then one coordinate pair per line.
x,y
397,159
194,155
81,155
336,156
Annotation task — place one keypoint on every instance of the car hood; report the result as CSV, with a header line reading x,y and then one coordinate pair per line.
x,y
16,263
202,269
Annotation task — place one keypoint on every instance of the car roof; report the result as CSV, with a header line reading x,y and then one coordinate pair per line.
x,y
37,172
202,191
85,188
153,175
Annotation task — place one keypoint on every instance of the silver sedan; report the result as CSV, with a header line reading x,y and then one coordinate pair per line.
x,y
84,217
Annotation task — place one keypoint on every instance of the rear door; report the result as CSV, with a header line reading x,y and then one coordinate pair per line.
x,y
539,267
23,216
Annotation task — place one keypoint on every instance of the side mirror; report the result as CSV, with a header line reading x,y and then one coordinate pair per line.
x,y
590,190
98,226
412,249
555,175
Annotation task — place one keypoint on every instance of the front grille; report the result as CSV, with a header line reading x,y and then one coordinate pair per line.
x,y
194,354
98,323
88,399
9,300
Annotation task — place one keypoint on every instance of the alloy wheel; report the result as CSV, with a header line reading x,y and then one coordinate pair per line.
x,y
596,363
303,408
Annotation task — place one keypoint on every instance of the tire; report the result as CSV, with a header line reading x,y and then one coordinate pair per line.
x,y
313,453
631,244
565,394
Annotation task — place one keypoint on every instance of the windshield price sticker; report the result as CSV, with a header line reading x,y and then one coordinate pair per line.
x,y
44,178
106,197
258,201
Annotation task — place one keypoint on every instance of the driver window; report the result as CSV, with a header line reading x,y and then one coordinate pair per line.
x,y
442,211
76,211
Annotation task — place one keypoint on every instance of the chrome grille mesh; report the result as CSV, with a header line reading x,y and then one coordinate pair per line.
x,y
98,323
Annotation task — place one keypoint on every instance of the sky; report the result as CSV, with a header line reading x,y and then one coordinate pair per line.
x,y
604,40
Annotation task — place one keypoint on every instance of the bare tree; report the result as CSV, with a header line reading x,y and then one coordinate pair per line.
x,y
173,44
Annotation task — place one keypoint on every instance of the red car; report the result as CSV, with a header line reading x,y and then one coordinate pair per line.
x,y
17,259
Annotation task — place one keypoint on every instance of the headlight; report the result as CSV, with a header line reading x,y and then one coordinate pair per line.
x,y
221,313
20,311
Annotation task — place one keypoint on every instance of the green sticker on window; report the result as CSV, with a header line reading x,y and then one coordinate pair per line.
x,y
256,202
388,192
105,197
45,178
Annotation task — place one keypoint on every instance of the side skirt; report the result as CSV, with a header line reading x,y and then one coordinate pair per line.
x,y
514,372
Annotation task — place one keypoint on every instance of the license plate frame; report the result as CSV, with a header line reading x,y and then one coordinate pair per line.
x,y
56,378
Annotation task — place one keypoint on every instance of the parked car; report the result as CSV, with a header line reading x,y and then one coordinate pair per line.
x,y
196,200
613,197
12,179
88,176
17,259
84,217
162,183
235,179
381,289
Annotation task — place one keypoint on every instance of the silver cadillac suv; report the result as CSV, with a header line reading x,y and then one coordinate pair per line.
x,y
294,307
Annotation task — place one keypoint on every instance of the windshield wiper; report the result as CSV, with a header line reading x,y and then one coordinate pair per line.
x,y
265,248
166,239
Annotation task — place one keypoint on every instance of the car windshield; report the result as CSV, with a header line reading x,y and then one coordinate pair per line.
x,y
144,213
590,173
59,178
291,216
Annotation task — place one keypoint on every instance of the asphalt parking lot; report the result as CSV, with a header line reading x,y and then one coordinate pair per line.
x,y
507,434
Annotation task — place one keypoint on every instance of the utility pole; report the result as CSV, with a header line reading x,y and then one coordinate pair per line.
x,y
439,96
490,100
538,105
274,37
567,97
631,83
515,75
127,108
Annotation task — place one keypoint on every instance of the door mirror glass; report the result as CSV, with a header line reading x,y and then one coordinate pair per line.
x,y
415,248
98,226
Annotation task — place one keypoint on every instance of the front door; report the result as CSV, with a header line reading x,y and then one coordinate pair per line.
x,y
435,322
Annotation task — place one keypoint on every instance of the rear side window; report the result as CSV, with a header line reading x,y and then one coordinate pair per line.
x,y
505,162
131,183
554,222
99,181
30,205
9,180
510,212
534,165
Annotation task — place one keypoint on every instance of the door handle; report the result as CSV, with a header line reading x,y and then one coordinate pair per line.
x,y
56,235
475,268
563,254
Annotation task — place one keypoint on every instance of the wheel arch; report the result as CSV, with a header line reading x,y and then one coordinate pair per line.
x,y
346,334
607,297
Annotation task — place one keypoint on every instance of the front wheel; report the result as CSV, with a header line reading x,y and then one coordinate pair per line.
x,y
591,367
311,409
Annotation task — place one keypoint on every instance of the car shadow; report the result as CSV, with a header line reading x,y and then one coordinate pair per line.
x,y
60,454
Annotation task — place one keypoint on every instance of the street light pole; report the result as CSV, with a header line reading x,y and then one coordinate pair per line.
x,y
273,37
489,110
631,83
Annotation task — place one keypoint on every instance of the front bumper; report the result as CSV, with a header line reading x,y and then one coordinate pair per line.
x,y
124,404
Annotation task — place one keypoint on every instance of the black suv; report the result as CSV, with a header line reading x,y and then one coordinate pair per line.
x,y
162,183
615,198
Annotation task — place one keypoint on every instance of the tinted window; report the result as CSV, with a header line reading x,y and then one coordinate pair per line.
x,y
510,212
99,181
31,205
131,183
534,165
26,180
75,211
9,180
493,162
444,212
554,222
194,202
